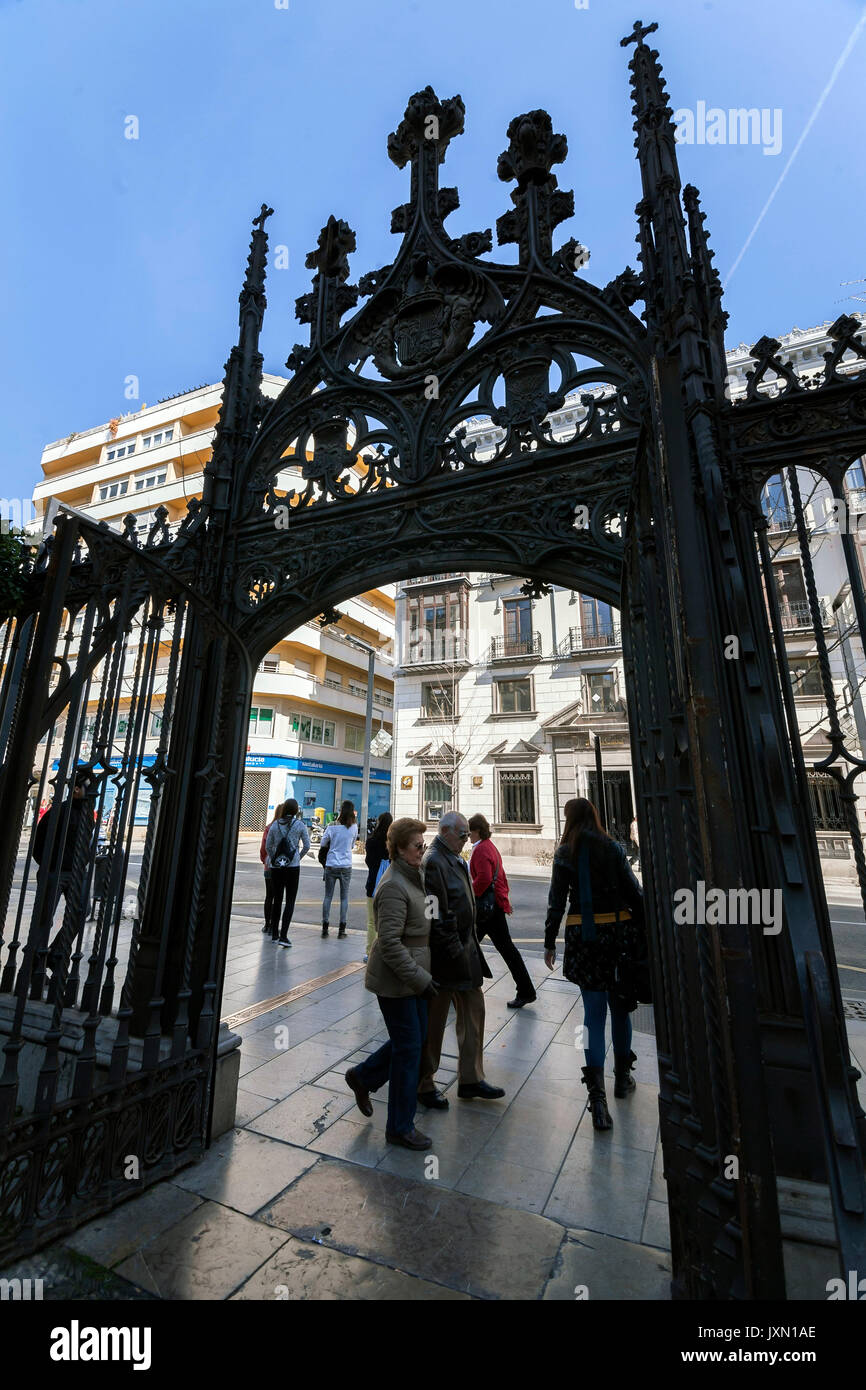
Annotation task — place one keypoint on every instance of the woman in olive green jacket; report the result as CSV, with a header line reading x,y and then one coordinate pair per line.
x,y
398,973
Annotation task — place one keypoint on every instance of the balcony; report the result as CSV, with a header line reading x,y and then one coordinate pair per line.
x,y
516,648
448,651
435,579
798,614
575,642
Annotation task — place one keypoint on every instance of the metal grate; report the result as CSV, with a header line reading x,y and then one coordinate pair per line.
x,y
254,800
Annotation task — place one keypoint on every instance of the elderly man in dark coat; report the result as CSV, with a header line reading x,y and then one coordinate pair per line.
x,y
457,966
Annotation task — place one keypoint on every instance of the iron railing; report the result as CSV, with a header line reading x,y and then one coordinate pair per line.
x,y
509,648
576,642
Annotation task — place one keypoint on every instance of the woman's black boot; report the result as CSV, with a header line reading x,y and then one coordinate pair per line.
x,y
593,1079
623,1083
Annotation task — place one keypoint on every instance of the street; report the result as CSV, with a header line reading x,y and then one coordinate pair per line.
x,y
529,900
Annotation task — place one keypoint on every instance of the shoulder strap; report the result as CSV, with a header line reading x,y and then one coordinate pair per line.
x,y
584,885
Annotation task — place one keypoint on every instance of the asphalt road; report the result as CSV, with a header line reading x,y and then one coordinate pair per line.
x,y
529,900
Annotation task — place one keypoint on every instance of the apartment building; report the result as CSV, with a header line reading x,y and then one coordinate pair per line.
x,y
307,721
499,696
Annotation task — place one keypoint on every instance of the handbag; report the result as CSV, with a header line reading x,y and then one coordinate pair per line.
x,y
485,906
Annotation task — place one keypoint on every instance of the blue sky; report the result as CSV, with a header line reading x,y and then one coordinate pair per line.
x,y
126,256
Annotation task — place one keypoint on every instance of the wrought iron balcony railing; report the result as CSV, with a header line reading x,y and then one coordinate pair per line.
x,y
448,649
798,614
515,648
575,642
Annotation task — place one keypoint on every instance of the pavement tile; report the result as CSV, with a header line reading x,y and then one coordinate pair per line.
x,y
204,1256
512,1184
300,1270
249,1106
447,1237
657,1225
597,1267
112,1238
244,1170
520,1140
285,1073
303,1116
608,1195
355,1143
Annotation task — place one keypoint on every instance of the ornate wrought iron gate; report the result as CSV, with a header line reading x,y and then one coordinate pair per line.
x,y
361,473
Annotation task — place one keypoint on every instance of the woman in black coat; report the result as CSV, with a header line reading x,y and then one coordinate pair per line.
x,y
604,925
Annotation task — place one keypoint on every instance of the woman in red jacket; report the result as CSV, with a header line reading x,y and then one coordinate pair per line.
x,y
490,887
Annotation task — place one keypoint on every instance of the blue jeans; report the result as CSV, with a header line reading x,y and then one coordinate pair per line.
x,y
595,1007
332,878
398,1061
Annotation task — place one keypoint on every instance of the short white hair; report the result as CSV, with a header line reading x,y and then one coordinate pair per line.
x,y
451,820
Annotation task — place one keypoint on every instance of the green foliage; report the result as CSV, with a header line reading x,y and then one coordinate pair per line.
x,y
14,553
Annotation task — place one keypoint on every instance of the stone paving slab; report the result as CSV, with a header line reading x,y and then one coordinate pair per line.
x,y
593,1267
300,1270
206,1256
114,1237
448,1238
244,1170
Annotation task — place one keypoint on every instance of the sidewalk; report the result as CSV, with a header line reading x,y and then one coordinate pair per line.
x,y
518,1199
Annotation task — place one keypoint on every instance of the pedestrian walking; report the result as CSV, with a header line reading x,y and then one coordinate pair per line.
x,y
398,973
338,841
266,864
63,870
288,841
603,932
458,967
493,907
376,856
634,849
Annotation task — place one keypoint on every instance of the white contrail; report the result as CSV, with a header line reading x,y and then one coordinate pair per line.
x,y
843,57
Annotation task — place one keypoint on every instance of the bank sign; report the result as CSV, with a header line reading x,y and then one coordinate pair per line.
x,y
257,760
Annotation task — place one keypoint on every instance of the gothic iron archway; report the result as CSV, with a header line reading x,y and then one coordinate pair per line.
x,y
756,1088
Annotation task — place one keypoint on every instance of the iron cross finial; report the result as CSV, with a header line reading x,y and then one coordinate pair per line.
x,y
263,215
639,33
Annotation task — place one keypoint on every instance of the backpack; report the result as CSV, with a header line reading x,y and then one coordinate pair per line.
x,y
285,851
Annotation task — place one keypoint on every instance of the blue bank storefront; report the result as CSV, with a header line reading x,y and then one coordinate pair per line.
x,y
314,782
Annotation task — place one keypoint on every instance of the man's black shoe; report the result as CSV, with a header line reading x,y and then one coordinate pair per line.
x,y
362,1095
480,1090
413,1140
433,1100
518,1001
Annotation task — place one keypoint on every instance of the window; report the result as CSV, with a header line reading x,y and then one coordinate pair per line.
x,y
312,728
120,451
518,626
437,624
354,738
437,796
150,441
601,691
359,690
774,501
516,798
270,663
155,725
791,590
827,805
149,480
438,701
806,680
261,722
109,490
596,620
514,697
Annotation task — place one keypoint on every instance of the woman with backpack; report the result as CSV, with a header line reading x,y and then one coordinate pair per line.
x,y
287,843
336,850
603,935
376,855
266,865
492,903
